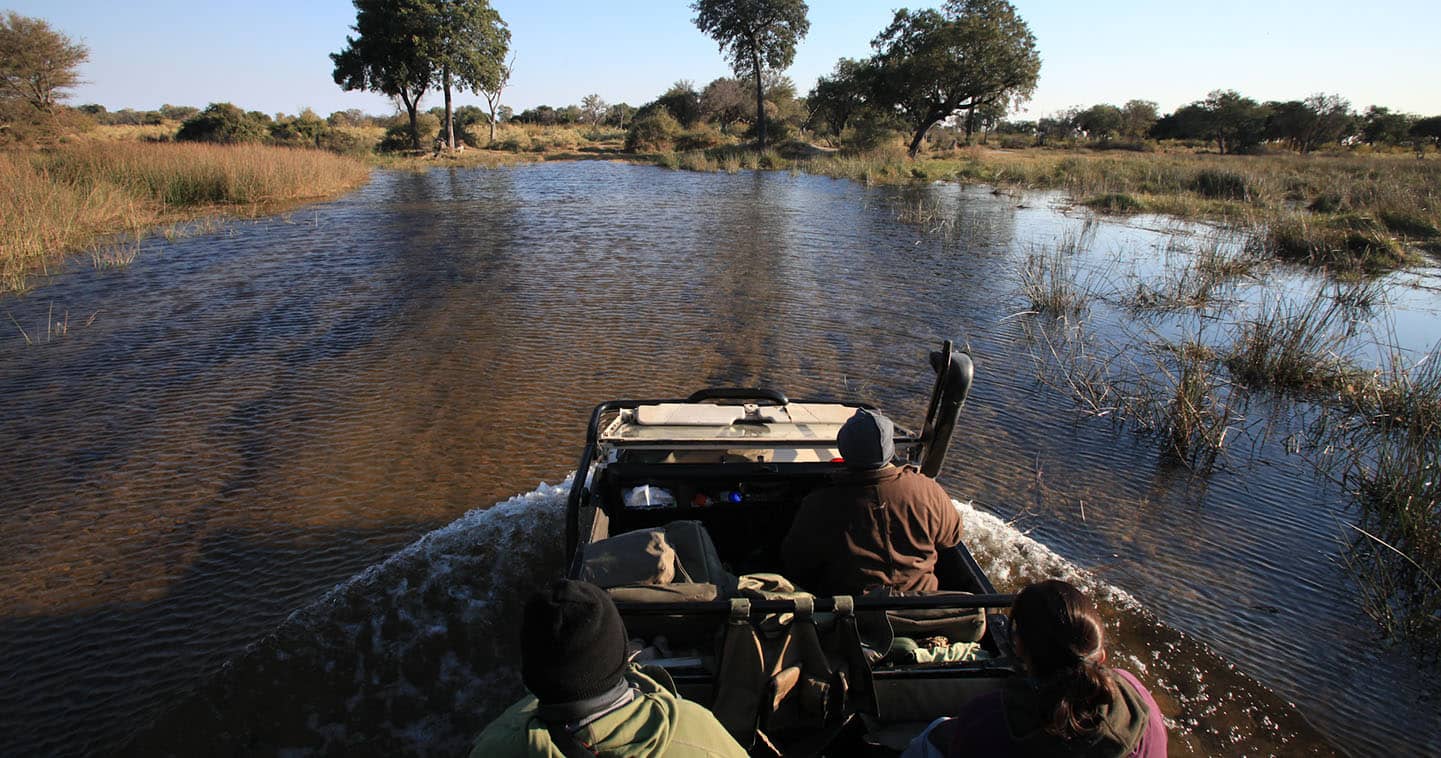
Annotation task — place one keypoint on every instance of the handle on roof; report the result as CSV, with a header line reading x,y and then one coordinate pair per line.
x,y
773,397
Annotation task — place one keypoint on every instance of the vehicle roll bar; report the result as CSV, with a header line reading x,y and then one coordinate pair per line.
x,y
954,373
775,397
823,604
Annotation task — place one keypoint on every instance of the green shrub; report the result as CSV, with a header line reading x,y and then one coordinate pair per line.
x,y
1221,185
397,136
1327,202
305,130
512,141
1409,223
223,123
703,137
776,131
1116,202
343,142
1017,141
654,132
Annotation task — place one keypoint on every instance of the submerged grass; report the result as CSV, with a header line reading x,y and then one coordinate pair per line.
x,y
85,195
1292,347
1390,461
1048,281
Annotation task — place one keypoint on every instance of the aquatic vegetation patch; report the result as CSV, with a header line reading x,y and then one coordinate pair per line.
x,y
1291,347
1221,184
1116,202
1353,243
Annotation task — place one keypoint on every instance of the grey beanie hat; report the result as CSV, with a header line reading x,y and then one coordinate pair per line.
x,y
866,440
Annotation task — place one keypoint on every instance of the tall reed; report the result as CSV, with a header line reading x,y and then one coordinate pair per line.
x,y
83,195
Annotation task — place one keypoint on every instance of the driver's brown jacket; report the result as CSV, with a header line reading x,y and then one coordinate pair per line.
x,y
869,529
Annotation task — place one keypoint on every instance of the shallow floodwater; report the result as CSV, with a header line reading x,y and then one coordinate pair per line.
x,y
198,451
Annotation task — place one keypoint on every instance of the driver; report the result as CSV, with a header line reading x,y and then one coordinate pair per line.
x,y
876,525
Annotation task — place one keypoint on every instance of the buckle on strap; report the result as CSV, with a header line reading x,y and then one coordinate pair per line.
x,y
805,608
740,610
845,605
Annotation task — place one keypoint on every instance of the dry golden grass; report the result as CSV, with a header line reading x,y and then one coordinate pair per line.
x,y
162,132
83,195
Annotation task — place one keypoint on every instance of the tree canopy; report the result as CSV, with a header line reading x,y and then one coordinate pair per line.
x,y
756,36
37,66
931,64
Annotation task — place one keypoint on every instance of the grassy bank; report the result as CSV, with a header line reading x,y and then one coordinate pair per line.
x,y
1350,213
81,196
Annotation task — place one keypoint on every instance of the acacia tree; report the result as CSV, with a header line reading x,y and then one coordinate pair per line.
x,y
837,98
931,64
593,109
391,54
724,101
1236,123
757,36
1137,118
37,66
493,92
1426,130
469,46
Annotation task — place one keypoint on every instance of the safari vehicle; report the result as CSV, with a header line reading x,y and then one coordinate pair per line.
x,y
712,483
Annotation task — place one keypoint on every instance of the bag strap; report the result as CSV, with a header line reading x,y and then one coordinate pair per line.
x,y
861,686
740,677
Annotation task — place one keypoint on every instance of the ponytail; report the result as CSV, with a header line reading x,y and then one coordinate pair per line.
x,y
1064,640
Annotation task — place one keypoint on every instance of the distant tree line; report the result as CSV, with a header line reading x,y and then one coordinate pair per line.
x,y
1231,123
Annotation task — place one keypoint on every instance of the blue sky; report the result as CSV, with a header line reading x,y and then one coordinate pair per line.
x,y
272,56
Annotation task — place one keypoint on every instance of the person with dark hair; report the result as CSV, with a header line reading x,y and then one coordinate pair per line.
x,y
585,698
876,525
1069,703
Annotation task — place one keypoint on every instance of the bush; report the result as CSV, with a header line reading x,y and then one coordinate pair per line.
x,y
1017,141
1116,202
703,137
512,140
397,137
776,131
344,142
1409,223
870,132
305,130
223,123
654,132
1221,185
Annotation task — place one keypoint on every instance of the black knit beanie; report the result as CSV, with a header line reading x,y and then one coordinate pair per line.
x,y
867,440
572,643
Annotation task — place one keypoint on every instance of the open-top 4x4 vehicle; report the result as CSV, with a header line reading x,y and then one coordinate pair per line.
x,y
679,508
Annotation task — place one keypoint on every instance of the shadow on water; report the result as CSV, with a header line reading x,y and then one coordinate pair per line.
x,y
254,415
118,662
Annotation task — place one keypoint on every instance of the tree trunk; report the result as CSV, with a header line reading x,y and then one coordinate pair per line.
x,y
492,125
916,141
449,115
410,108
760,98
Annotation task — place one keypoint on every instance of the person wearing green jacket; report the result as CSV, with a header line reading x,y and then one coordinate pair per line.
x,y
585,699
